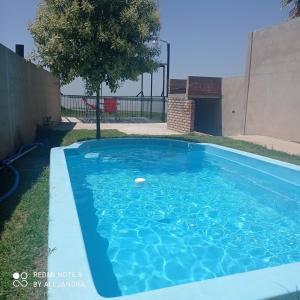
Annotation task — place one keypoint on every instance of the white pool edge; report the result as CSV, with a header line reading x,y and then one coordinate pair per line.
x,y
69,255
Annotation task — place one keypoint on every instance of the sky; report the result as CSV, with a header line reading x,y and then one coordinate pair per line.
x,y
207,38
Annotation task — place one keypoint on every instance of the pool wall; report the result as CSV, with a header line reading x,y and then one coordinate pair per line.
x,y
68,268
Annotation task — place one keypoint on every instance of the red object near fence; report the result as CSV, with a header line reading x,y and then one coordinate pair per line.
x,y
110,105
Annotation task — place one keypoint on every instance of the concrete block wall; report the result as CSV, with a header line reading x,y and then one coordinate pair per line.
x,y
180,113
233,105
266,101
28,95
273,77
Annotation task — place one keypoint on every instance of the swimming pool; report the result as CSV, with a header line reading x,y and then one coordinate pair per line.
x,y
203,213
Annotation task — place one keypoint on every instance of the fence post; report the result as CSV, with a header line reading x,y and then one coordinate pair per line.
x,y
163,109
98,132
151,94
86,111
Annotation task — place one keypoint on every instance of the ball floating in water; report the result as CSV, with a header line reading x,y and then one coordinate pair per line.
x,y
139,180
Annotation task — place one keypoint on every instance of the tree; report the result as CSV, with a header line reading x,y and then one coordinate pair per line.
x,y
295,10
98,40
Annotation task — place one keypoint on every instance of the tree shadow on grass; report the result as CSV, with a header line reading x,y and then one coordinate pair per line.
x,y
24,221
30,168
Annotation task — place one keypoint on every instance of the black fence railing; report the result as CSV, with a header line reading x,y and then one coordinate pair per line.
x,y
115,108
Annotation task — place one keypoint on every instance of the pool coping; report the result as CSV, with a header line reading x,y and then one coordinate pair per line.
x,y
67,251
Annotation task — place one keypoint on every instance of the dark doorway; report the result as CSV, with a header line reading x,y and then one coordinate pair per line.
x,y
208,116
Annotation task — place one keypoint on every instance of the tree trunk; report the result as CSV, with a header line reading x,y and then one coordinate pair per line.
x,y
98,133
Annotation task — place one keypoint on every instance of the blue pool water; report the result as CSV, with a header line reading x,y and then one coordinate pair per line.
x,y
200,214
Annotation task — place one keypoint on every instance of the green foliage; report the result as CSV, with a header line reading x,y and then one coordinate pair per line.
x,y
98,40
294,7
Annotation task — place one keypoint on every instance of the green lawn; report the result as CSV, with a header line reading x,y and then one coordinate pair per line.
x,y
124,115
24,216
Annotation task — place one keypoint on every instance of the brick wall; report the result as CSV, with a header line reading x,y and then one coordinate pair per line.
x,y
177,86
180,113
203,87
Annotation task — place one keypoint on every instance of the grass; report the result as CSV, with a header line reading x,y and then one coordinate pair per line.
x,y
24,216
241,145
124,115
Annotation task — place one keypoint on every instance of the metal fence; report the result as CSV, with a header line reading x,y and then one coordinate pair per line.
x,y
125,109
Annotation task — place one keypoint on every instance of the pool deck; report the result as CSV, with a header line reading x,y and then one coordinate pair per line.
x,y
271,143
161,129
128,128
